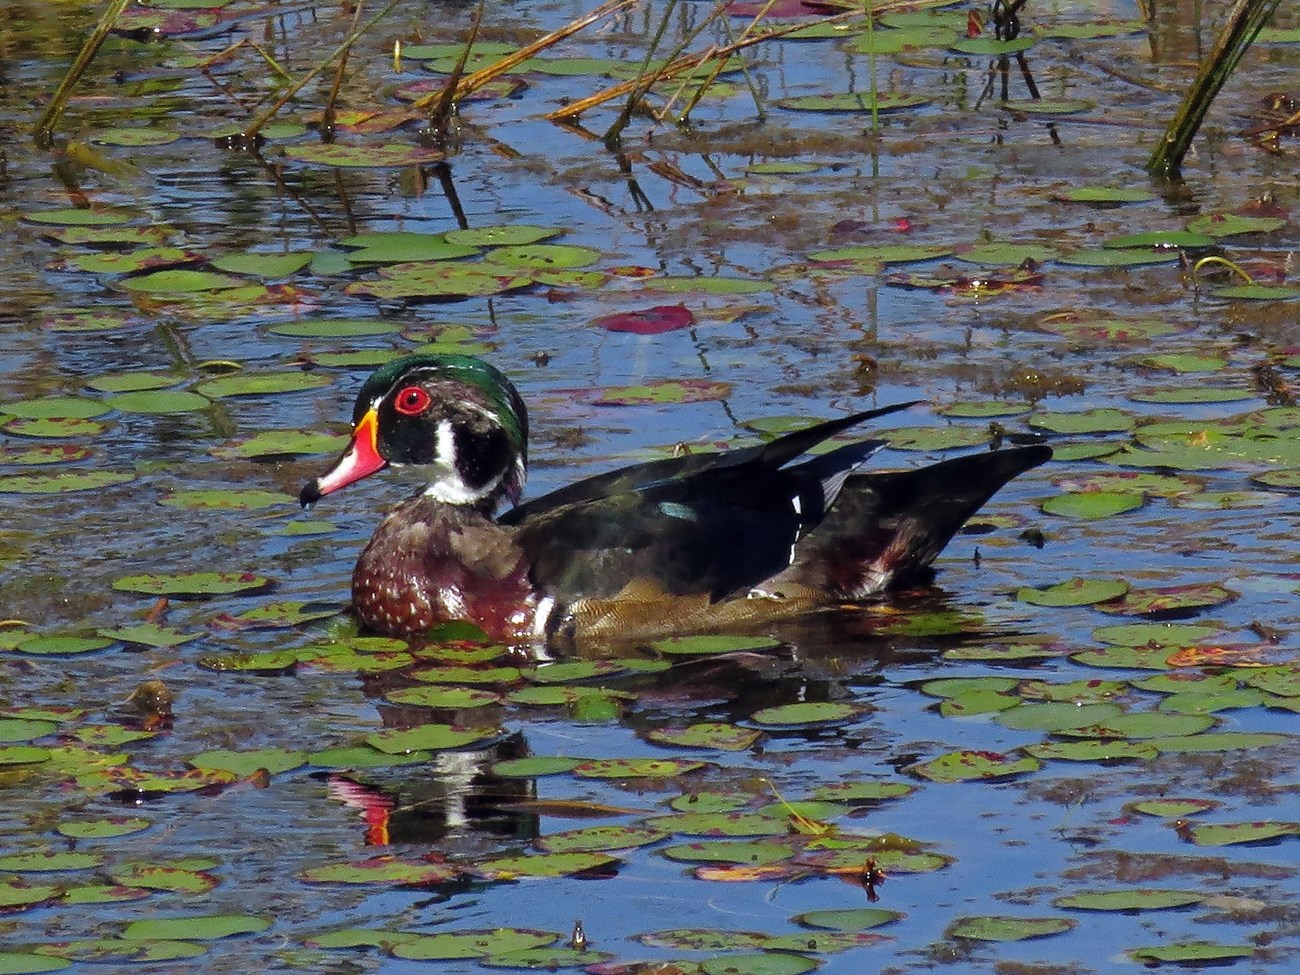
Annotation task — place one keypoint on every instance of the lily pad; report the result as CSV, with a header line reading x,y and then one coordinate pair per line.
x,y
967,766
1112,195
428,737
1191,952
807,714
599,838
383,870
208,927
1093,505
450,945
712,644
706,734
244,764
635,768
261,384
987,928
1074,592
194,584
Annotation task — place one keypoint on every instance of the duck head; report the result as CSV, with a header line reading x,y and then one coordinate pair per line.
x,y
455,416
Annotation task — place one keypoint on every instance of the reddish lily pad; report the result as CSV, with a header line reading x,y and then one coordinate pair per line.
x,y
648,321
1166,599
180,880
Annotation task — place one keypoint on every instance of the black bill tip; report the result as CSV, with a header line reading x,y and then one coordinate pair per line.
x,y
310,494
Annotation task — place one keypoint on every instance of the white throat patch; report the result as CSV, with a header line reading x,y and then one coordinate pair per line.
x,y
447,485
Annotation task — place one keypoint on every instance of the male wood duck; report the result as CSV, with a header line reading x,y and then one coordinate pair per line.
x,y
686,544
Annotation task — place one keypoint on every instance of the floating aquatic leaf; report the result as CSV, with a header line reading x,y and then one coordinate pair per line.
x,y
194,584
848,919
1149,635
1144,725
1193,394
535,766
261,384
984,410
25,729
180,880
542,865
262,264
399,247
1223,741
363,756
751,852
81,217
599,838
177,282
1131,257
764,963
1101,420
976,702
504,235
385,870
1104,329
965,766
1074,592
428,737
127,262
1191,952
450,945
706,734
55,407
1056,716
664,391
1229,224
1106,195
207,927
635,768
63,482
109,950
99,829
807,714
1173,808
435,696
244,764
712,644
47,861
543,257
57,644
1209,703
1166,239
284,443
648,321
1093,505
1090,750
986,928
22,755
1130,899
1166,599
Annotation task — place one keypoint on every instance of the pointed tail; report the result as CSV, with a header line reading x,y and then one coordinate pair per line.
x,y
885,528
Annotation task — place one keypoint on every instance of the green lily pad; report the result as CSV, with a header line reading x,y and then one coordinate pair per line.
x,y
711,644
847,919
535,766
23,963
635,768
967,766
1144,725
992,46
436,696
548,959
56,427
1151,635
1281,679
1193,394
22,755
1166,599
284,443
755,853
100,829
179,880
706,734
1173,808
1074,592
1130,899
503,235
175,282
62,643
428,737
1191,952
1223,741
194,584
262,264
1104,257
1093,750
47,861
1106,195
224,499
109,950
1093,505
244,764
807,714
1056,716
63,482
986,928
450,945
977,702
261,384
81,217
1228,834
543,257
384,870
961,686
664,391
362,757
1090,421
1167,239
208,927
55,407
399,247
24,729
599,838
1229,224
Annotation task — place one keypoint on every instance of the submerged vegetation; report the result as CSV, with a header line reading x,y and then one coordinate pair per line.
x,y
679,228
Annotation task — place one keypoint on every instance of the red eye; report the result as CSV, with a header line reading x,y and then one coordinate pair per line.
x,y
412,401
